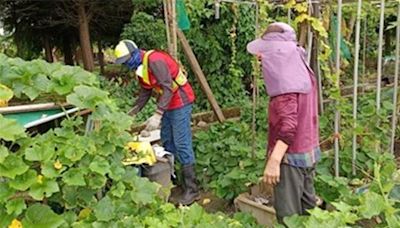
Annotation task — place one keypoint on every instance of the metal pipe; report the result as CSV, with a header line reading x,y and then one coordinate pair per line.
x,y
380,44
355,86
30,108
50,118
396,83
337,112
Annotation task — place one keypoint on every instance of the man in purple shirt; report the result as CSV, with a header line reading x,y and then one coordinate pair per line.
x,y
293,140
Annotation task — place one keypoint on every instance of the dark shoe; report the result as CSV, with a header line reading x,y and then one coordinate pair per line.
x,y
191,190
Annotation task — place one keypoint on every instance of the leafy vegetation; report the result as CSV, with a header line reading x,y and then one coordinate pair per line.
x,y
68,177
372,205
29,80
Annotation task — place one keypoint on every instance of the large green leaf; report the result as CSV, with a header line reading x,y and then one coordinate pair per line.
x,y
96,180
42,83
49,170
87,97
10,130
372,204
24,181
5,191
5,218
144,191
73,153
104,210
40,153
100,165
41,216
116,171
12,166
74,177
118,189
16,206
31,92
3,153
62,81
42,188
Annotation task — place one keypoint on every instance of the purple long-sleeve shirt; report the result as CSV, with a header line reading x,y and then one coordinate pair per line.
x,y
293,119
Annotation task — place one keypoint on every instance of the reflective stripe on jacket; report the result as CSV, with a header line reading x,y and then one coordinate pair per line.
x,y
161,72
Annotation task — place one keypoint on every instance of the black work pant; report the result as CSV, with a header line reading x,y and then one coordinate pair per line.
x,y
295,193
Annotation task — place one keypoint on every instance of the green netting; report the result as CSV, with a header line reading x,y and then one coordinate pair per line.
x,y
344,48
183,19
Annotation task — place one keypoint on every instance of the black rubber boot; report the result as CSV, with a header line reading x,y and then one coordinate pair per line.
x,y
191,190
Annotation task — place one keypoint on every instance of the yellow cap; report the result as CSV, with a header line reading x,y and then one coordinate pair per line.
x,y
123,50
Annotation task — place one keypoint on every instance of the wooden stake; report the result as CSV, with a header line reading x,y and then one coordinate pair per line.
x,y
166,18
200,75
173,30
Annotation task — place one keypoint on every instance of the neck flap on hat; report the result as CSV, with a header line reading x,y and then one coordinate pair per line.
x,y
284,67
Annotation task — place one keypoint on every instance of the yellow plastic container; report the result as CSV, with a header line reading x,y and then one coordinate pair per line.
x,y
141,153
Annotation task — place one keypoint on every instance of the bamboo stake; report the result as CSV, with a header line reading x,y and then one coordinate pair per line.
x,y
166,18
355,86
309,35
364,47
200,76
380,44
337,112
309,43
396,83
173,30
255,93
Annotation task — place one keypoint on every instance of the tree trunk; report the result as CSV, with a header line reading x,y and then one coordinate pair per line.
x,y
48,49
84,37
68,56
100,56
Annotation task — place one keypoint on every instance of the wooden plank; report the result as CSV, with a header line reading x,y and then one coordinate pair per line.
x,y
200,75
208,117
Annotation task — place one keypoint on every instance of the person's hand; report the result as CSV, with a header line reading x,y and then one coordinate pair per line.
x,y
272,172
153,122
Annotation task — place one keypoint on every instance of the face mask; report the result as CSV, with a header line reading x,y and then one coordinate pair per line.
x,y
134,61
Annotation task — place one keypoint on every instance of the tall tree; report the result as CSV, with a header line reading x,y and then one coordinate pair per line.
x,y
53,23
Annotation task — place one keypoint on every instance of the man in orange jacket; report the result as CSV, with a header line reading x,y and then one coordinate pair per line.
x,y
158,71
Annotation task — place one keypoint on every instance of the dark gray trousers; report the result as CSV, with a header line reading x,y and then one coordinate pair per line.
x,y
295,193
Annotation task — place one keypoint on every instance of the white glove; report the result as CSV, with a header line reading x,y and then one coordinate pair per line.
x,y
153,122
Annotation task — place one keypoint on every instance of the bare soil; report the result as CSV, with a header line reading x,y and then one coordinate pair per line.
x,y
208,201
